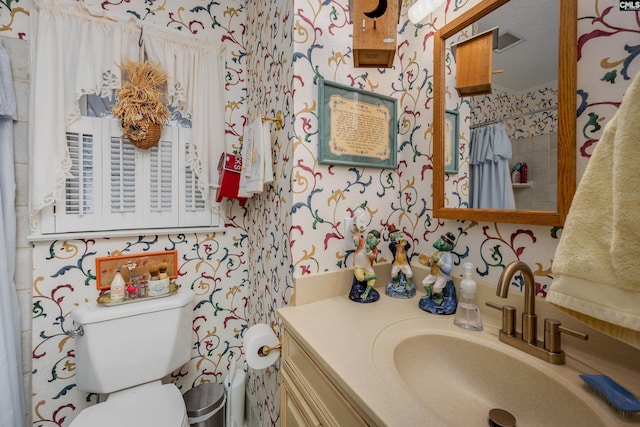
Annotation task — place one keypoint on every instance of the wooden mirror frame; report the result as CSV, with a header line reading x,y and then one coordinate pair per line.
x,y
567,75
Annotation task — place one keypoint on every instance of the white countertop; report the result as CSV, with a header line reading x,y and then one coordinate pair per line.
x,y
340,334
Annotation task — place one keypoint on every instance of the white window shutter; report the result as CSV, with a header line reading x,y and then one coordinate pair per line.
x,y
193,200
161,176
79,201
76,206
195,209
116,186
123,177
122,208
161,183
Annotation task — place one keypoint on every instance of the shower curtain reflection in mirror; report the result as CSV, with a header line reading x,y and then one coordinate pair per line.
x,y
489,173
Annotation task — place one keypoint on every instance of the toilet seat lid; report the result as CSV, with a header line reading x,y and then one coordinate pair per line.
x,y
158,406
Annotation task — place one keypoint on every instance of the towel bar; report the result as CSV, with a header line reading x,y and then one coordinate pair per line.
x,y
278,120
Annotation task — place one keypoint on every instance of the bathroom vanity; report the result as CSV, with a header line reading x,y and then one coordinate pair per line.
x,y
390,363
310,397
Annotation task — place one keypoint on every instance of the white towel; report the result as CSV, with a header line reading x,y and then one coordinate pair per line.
x,y
597,264
267,176
257,167
245,153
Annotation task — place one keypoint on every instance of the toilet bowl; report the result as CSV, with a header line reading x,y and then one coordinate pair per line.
x,y
124,351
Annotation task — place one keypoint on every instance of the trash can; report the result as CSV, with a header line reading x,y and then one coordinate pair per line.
x,y
206,405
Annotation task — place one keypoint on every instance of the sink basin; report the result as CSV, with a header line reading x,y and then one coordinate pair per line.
x,y
460,375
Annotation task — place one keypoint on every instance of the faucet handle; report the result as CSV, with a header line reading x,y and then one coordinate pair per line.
x,y
552,337
508,317
493,305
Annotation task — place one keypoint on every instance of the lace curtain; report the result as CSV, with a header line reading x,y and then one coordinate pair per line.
x,y
75,54
194,84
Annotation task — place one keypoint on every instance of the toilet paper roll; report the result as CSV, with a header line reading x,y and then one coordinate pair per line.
x,y
256,337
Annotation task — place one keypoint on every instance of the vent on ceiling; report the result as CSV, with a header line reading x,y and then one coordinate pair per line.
x,y
506,41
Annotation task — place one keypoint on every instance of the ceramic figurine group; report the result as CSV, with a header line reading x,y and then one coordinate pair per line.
x,y
440,295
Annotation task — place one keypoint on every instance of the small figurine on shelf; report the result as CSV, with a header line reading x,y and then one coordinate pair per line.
x,y
400,285
364,276
441,293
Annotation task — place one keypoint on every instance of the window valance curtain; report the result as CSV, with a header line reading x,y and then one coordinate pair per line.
x,y
72,54
195,84
75,53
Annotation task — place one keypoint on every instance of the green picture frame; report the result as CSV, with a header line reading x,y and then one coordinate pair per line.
x,y
356,127
451,141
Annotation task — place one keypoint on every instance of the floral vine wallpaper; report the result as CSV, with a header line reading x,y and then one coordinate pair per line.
x,y
275,53
535,111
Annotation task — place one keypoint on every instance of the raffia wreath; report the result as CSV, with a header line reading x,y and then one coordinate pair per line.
x,y
140,105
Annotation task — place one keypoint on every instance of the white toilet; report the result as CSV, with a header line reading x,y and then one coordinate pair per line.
x,y
125,351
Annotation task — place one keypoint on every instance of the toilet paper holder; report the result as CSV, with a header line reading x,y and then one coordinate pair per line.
x,y
265,349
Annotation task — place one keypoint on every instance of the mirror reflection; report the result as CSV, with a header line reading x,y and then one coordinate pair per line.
x,y
503,147
510,133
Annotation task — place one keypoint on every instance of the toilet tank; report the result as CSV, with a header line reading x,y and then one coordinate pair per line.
x,y
131,344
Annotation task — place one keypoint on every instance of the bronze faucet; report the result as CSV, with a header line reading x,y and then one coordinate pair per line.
x,y
550,350
529,318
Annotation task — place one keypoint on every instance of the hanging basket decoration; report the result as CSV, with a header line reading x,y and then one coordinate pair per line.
x,y
140,105
144,134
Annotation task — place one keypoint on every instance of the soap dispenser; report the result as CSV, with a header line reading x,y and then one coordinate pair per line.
x,y
468,314
117,287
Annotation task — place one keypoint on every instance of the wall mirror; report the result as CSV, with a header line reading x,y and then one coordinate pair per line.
x,y
543,131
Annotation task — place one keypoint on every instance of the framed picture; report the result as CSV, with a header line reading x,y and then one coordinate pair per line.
x,y
356,127
451,141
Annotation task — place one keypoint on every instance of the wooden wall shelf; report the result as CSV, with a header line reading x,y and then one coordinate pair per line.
x,y
474,59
